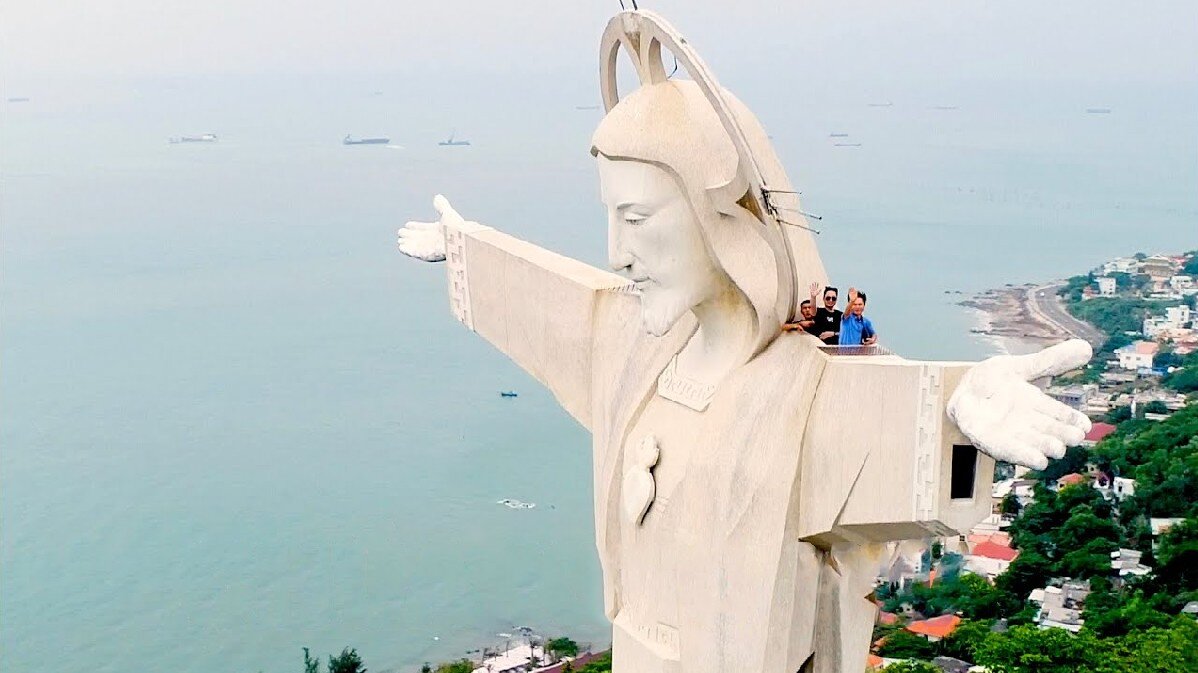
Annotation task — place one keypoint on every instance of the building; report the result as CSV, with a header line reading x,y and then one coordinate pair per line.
x,y
1160,268
1074,396
1177,317
1097,433
1106,286
1121,265
1126,562
1136,356
936,628
1160,526
990,558
1061,607
1122,488
1182,283
1071,479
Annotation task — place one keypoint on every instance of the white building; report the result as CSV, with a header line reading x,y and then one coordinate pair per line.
x,y
1121,265
1061,607
1177,317
1137,355
1182,283
1126,562
1106,286
1123,487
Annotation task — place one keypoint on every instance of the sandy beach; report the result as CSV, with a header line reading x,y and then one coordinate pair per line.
x,y
1005,317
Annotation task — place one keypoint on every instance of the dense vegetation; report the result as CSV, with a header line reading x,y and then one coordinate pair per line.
x,y
1132,626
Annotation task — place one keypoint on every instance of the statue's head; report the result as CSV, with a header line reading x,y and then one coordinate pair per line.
x,y
681,226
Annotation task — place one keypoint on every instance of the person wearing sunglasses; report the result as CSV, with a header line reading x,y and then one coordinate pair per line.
x,y
827,316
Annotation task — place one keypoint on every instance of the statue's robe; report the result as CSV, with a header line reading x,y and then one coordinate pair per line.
x,y
724,573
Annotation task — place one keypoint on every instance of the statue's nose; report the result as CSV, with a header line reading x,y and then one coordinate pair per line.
x,y
618,256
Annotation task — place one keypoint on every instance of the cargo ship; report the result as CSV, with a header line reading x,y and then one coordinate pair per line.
x,y
350,140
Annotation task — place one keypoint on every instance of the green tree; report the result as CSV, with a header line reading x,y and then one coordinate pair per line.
x,y
911,666
310,665
459,666
903,644
962,642
1010,505
1029,649
1177,558
562,647
346,662
1171,649
426,668
1030,570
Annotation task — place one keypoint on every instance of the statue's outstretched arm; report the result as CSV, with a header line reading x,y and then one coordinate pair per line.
x,y
889,448
536,306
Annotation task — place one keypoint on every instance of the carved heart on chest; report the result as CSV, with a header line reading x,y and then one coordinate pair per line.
x,y
639,489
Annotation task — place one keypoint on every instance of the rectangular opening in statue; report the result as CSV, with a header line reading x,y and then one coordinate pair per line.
x,y
965,461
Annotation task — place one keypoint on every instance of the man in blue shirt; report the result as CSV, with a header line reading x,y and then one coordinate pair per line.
x,y
855,328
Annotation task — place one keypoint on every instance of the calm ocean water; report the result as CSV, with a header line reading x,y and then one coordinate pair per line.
x,y
236,422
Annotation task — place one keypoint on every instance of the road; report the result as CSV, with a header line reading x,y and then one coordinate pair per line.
x,y
1045,305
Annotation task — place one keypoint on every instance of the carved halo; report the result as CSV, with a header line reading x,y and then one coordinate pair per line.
x,y
642,34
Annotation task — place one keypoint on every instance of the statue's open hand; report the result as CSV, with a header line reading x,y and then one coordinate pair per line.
x,y
1009,418
426,240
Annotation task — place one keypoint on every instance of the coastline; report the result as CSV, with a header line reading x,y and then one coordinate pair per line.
x,y
1006,319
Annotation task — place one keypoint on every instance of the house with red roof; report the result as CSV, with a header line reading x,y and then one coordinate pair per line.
x,y
1097,432
990,558
936,628
1071,479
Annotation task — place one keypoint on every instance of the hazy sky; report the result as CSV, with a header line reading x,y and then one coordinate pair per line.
x,y
1155,40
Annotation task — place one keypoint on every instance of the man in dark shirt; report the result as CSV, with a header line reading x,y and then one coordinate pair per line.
x,y
806,321
827,318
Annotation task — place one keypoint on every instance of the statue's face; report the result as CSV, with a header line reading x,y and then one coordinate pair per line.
x,y
654,241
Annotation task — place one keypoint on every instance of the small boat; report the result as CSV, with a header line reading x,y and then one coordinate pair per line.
x,y
886,104
203,138
838,135
450,142
18,99
350,140
586,107
944,107
846,144
508,393
1098,110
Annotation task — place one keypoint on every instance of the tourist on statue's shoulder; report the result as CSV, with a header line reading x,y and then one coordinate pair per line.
x,y
855,328
806,321
827,317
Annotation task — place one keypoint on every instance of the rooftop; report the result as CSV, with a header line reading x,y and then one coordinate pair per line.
x,y
1071,479
936,627
992,549
1099,431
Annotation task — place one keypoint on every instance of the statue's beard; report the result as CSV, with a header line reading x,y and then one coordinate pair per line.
x,y
660,310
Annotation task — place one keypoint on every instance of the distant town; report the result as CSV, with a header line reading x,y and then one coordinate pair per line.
x,y
1092,563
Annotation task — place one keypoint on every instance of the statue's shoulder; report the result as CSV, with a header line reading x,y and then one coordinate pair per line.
x,y
792,358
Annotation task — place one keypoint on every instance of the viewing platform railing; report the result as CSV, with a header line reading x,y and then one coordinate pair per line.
x,y
856,350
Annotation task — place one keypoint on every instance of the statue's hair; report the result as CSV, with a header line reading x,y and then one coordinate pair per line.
x,y
673,126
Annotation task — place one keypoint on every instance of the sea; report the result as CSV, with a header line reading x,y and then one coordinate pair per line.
x,y
235,422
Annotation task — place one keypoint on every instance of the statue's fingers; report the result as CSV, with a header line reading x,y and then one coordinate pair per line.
x,y
446,212
1071,435
1009,446
1041,442
419,226
1054,360
1059,411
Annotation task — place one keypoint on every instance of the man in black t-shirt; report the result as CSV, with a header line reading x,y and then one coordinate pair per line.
x,y
827,318
806,321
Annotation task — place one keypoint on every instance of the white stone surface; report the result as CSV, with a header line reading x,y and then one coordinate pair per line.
x,y
746,483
